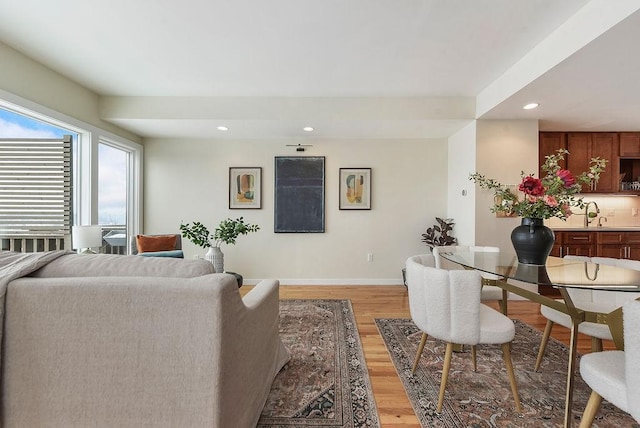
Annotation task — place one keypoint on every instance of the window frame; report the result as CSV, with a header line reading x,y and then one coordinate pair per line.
x,y
85,161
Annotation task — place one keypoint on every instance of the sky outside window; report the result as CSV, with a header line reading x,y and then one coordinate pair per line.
x,y
112,185
112,163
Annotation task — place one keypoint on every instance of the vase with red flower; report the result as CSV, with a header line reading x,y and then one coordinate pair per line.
x,y
541,198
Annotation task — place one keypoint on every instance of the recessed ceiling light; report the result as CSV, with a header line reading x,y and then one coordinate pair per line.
x,y
308,128
531,106
223,128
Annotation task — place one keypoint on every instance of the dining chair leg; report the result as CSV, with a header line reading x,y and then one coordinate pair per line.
x,y
473,356
596,344
591,410
445,375
503,302
506,353
543,344
423,341
571,369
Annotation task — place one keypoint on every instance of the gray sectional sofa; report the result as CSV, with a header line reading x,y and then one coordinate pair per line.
x,y
128,341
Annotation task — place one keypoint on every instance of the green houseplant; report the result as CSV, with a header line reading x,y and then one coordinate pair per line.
x,y
227,232
438,234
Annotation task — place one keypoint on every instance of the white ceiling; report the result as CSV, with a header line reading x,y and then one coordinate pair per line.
x,y
351,69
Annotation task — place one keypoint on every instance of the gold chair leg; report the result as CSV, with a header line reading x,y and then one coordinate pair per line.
x,y
445,375
596,344
423,341
473,356
591,410
503,302
506,353
543,344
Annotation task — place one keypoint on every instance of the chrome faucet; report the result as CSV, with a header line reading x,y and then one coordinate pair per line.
x,y
588,220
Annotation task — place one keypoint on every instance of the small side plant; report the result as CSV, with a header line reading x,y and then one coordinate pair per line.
x,y
226,233
438,234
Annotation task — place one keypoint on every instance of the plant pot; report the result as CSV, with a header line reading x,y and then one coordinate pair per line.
x,y
532,241
215,257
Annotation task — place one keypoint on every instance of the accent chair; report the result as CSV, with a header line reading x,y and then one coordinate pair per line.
x,y
446,305
614,375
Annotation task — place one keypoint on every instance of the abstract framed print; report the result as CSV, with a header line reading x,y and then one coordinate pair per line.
x,y
299,194
355,188
245,188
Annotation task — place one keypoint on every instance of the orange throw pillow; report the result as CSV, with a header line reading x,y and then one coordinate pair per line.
x,y
148,244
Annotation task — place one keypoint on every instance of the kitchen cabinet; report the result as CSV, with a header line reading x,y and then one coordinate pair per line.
x,y
630,160
579,243
583,146
619,245
630,144
549,144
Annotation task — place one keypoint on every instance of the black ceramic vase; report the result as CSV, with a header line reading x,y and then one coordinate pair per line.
x,y
532,241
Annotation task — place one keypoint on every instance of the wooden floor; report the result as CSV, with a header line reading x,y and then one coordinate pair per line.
x,y
370,302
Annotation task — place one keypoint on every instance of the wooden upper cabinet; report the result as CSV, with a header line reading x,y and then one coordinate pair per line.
x,y
578,144
583,146
630,144
549,144
605,145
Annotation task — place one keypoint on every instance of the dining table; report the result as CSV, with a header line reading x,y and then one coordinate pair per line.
x,y
554,281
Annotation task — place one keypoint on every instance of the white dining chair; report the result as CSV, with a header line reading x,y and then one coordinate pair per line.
x,y
445,304
615,375
490,291
589,300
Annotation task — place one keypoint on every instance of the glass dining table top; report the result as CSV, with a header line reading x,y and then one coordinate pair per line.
x,y
558,272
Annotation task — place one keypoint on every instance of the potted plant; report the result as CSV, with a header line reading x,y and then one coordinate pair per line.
x,y
542,198
226,233
438,234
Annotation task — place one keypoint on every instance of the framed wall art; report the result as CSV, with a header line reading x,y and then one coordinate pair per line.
x,y
245,188
355,188
299,194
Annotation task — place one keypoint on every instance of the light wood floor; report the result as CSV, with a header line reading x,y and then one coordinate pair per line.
x,y
370,302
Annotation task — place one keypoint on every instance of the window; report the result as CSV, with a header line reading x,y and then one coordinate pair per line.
x,y
113,194
102,187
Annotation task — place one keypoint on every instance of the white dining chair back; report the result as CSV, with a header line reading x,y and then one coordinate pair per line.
x,y
632,357
489,291
435,295
614,375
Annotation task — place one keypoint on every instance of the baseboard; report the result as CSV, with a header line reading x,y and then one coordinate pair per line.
x,y
332,281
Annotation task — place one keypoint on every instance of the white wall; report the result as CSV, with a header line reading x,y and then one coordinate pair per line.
x,y
504,149
461,191
188,181
25,78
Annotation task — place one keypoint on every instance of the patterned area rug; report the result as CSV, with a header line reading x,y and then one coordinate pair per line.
x,y
483,398
326,383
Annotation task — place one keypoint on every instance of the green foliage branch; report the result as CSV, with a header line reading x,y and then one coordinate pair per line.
x,y
226,233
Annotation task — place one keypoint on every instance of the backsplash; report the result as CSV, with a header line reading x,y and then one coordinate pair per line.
x,y
619,211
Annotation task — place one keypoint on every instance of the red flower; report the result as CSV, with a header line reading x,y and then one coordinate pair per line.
x,y
567,178
531,186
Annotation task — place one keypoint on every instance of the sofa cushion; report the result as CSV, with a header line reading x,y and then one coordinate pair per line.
x,y
153,243
74,265
173,253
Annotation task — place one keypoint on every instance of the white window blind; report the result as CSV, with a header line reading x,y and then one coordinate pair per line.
x,y
35,187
